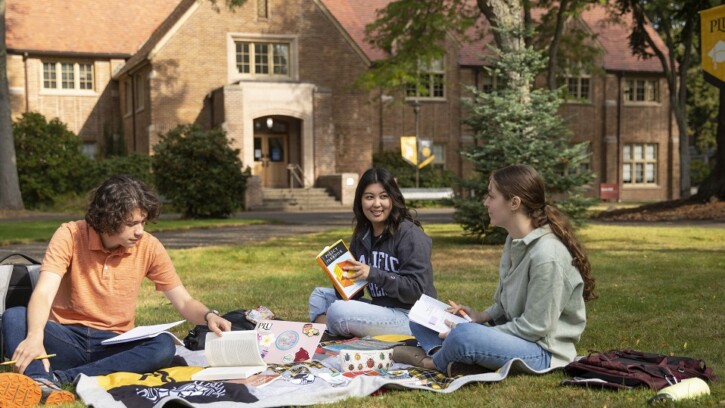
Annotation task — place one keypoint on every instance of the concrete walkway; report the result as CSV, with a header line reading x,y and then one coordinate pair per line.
x,y
283,224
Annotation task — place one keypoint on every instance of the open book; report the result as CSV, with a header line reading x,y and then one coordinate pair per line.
x,y
332,260
432,314
233,355
145,332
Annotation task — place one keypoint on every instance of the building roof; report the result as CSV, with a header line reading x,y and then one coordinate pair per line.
x,y
613,35
135,27
82,26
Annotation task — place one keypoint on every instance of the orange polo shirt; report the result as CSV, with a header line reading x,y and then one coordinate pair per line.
x,y
99,288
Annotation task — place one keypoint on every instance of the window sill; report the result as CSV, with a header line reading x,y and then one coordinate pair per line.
x,y
67,92
640,186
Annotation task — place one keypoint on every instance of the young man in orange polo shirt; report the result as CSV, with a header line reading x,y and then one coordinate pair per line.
x,y
87,292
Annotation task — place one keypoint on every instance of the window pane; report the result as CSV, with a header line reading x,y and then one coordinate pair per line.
x,y
638,152
261,58
650,173
243,58
627,173
128,95
257,149
85,76
439,155
639,96
262,8
281,58
437,86
627,153
67,77
649,153
638,172
276,149
584,88
572,86
49,81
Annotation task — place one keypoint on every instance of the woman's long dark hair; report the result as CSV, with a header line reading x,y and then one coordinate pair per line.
x,y
398,212
526,183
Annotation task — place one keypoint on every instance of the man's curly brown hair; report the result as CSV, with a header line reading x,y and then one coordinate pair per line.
x,y
112,203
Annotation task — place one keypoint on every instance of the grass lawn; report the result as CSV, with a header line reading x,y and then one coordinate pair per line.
x,y
660,290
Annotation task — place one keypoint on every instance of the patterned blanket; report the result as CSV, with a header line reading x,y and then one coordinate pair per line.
x,y
281,385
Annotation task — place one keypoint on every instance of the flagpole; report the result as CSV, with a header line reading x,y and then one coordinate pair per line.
x,y
416,110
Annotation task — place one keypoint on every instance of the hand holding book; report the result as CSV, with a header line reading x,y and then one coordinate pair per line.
x,y
356,271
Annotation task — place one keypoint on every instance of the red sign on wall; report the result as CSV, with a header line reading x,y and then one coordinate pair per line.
x,y
608,191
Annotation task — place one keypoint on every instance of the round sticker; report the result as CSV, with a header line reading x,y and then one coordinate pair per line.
x,y
287,340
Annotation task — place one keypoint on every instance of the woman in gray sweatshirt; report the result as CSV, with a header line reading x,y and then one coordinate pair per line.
x,y
392,254
538,314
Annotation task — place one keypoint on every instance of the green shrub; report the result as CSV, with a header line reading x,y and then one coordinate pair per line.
x,y
50,161
199,172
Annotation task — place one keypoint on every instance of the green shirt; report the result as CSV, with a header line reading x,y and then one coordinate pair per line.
x,y
540,295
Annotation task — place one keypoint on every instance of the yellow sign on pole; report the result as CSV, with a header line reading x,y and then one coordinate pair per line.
x,y
416,155
712,35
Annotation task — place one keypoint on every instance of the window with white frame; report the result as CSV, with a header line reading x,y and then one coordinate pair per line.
x,y
578,88
267,59
639,163
641,90
430,81
67,76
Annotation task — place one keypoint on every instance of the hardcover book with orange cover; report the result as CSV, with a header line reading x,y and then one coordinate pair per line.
x,y
332,260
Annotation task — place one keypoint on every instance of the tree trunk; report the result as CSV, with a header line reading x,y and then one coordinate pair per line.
x,y
10,198
714,185
551,64
504,16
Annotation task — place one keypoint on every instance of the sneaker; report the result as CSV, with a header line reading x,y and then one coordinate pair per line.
x,y
21,391
409,355
456,369
18,391
53,394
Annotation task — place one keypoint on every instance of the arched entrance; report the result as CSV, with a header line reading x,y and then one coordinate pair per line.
x,y
276,145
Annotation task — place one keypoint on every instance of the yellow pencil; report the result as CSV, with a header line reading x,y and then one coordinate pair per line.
x,y
36,358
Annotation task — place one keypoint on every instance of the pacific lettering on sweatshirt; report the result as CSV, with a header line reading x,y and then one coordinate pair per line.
x,y
383,261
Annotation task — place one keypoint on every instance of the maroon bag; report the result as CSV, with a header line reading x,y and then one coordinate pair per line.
x,y
629,368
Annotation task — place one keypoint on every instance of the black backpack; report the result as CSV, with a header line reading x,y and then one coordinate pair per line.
x,y
618,369
17,281
196,338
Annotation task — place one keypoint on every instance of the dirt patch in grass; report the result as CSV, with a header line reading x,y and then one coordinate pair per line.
x,y
677,210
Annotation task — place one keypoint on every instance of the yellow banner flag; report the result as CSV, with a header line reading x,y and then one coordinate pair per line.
x,y
408,149
712,35
425,153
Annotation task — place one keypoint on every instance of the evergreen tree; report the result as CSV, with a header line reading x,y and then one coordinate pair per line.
x,y
517,124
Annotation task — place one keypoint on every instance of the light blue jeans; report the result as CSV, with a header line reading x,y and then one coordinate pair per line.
x,y
357,318
78,350
473,343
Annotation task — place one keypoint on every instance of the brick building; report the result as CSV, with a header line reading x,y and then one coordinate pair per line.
x,y
278,76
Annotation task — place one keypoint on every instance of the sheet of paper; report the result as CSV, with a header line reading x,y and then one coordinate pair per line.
x,y
144,332
432,314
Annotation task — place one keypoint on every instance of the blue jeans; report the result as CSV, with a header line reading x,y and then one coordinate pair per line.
x,y
473,343
357,318
78,350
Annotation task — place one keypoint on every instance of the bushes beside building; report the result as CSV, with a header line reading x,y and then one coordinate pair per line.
x,y
197,170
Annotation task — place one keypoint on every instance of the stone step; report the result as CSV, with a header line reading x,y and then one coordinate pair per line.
x,y
297,199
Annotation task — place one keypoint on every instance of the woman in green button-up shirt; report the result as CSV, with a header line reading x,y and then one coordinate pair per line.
x,y
538,314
